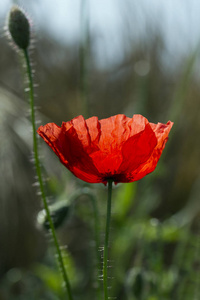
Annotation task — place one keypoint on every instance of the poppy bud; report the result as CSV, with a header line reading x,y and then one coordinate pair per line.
x,y
19,27
59,213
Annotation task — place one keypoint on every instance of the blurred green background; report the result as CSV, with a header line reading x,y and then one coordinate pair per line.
x,y
103,58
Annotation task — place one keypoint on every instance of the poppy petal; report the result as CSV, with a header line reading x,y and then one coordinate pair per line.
x,y
65,142
161,133
138,148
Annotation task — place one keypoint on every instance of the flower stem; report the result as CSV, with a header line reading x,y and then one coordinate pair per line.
x,y
105,256
39,175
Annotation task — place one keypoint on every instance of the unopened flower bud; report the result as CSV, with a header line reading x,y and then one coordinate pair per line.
x,y
59,213
19,28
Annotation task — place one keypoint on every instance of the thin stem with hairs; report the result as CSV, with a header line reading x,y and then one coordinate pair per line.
x,y
105,256
40,179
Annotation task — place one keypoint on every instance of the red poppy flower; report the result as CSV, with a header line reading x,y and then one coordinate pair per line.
x,y
119,148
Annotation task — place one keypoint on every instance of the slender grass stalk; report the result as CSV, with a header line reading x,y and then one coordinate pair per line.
x,y
96,225
96,230
197,281
84,56
97,242
105,256
40,179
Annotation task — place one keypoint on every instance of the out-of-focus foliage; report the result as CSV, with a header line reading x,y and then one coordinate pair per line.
x,y
155,242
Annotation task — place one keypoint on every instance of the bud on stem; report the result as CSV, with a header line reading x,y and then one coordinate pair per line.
x,y
19,27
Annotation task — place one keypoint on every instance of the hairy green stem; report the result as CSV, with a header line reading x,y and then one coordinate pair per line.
x,y
40,179
105,256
